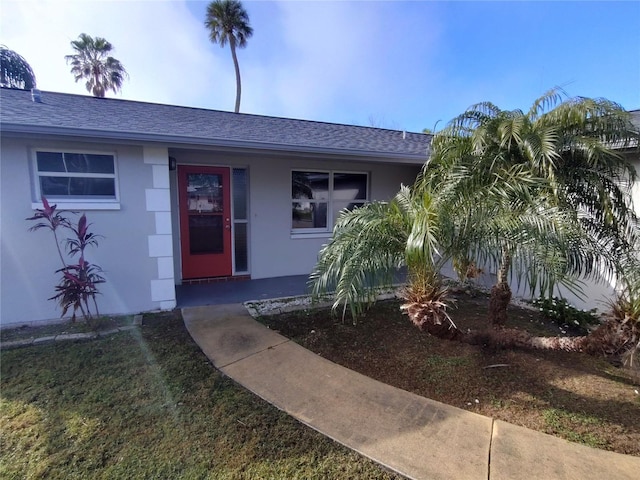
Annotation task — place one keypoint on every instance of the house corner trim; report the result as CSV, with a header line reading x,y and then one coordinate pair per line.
x,y
160,242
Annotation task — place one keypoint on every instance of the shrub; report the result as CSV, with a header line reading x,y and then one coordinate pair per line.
x,y
566,316
80,278
624,310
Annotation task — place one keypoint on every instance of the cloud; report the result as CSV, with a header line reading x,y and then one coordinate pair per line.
x,y
401,65
343,61
322,53
161,44
349,62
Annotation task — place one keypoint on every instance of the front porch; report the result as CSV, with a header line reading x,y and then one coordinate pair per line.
x,y
240,291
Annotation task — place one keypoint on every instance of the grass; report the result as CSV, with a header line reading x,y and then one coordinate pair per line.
x,y
438,367
146,403
568,424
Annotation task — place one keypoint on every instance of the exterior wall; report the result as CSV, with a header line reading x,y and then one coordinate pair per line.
x,y
635,194
597,295
133,251
594,295
273,250
140,251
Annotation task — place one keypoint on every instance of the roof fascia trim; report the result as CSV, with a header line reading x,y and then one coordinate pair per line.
x,y
198,141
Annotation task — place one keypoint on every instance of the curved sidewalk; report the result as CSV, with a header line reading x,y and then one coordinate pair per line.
x,y
412,435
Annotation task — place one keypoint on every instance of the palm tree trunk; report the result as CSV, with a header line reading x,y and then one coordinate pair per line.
x,y
435,323
617,338
232,44
500,293
513,338
613,339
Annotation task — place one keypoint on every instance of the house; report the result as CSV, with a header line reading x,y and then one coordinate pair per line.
x,y
180,195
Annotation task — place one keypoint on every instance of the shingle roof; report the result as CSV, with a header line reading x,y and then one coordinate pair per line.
x,y
79,115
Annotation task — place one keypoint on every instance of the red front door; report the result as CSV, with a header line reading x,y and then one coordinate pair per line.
x,y
205,221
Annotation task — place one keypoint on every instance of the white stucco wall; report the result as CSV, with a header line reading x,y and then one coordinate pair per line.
x,y
273,251
635,194
598,295
594,295
29,259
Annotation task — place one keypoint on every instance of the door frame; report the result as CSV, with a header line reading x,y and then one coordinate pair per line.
x,y
226,257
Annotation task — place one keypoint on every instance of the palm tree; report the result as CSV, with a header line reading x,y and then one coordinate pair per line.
x,y
93,63
423,228
228,21
624,313
481,197
573,144
371,243
423,231
15,72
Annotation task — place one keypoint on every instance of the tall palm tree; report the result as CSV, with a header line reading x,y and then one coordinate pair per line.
x,y
92,62
15,72
228,22
574,145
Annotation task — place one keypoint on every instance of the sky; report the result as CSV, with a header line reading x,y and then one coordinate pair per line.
x,y
405,65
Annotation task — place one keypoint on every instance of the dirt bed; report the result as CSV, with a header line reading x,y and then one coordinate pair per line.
x,y
574,396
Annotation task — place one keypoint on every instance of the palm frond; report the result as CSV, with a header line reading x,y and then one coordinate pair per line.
x,y
364,254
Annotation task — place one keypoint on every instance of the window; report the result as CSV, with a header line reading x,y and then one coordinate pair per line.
x,y
240,220
76,176
318,198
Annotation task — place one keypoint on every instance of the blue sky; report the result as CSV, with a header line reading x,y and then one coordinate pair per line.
x,y
392,64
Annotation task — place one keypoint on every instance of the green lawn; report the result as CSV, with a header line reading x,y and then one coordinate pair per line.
x,y
148,404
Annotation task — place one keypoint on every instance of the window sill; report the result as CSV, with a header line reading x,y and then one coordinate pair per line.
x,y
79,205
298,235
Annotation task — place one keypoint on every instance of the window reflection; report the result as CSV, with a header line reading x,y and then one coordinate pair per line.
x,y
204,193
318,197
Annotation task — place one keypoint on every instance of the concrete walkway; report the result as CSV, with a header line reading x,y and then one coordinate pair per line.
x,y
412,435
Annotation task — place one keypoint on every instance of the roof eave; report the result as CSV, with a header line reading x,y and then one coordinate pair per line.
x,y
176,140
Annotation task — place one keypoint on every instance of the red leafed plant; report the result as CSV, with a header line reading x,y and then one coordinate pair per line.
x,y
79,281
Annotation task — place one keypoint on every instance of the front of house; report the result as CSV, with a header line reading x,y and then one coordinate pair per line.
x,y
180,195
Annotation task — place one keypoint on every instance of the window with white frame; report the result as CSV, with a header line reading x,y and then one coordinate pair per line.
x,y
75,176
318,197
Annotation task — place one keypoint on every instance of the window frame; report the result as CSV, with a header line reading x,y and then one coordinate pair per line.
x,y
236,220
328,230
75,202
